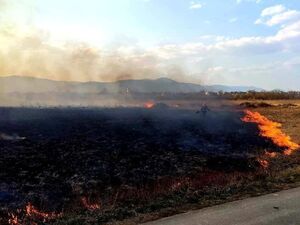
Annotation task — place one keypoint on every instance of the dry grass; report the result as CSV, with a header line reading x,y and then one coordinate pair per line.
x,y
289,117
272,102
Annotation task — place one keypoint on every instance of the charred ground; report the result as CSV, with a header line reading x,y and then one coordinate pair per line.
x,y
117,160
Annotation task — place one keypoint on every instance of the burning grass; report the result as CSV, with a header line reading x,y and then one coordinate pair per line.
x,y
272,130
149,104
31,215
103,165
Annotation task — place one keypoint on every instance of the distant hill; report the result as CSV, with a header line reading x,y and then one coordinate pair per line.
x,y
18,84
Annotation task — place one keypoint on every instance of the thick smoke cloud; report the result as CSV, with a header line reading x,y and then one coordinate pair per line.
x,y
26,50
32,54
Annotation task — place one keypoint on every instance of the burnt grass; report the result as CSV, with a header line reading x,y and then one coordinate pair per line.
x,y
127,160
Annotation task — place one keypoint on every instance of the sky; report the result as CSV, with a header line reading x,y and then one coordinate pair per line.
x,y
230,42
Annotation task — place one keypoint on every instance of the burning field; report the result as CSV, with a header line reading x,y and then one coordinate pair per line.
x,y
101,165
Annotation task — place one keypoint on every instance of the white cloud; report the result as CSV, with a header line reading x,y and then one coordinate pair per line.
x,y
272,10
276,15
283,17
287,39
212,38
195,5
255,1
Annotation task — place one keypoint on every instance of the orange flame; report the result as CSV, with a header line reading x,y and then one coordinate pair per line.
x,y
88,205
13,220
264,163
32,213
149,104
270,129
271,154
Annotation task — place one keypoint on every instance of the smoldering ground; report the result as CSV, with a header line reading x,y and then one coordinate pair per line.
x,y
68,152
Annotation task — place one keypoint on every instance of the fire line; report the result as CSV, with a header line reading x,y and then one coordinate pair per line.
x,y
32,212
271,130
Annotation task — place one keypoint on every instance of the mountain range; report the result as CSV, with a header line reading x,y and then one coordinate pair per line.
x,y
19,84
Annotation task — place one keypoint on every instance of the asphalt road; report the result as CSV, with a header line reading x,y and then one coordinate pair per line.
x,y
281,208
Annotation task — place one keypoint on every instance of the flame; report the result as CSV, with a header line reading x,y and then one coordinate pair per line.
x,y
270,129
13,219
264,163
149,104
32,213
271,154
88,205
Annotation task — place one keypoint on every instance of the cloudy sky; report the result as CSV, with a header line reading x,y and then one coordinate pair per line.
x,y
232,42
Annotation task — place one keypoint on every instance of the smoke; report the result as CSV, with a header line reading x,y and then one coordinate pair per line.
x,y
26,50
33,54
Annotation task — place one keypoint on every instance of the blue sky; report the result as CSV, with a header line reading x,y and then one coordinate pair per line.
x,y
162,20
233,42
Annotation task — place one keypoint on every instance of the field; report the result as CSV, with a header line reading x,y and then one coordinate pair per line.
x,y
289,117
129,165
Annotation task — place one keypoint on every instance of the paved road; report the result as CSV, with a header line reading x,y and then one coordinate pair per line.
x,y
282,208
